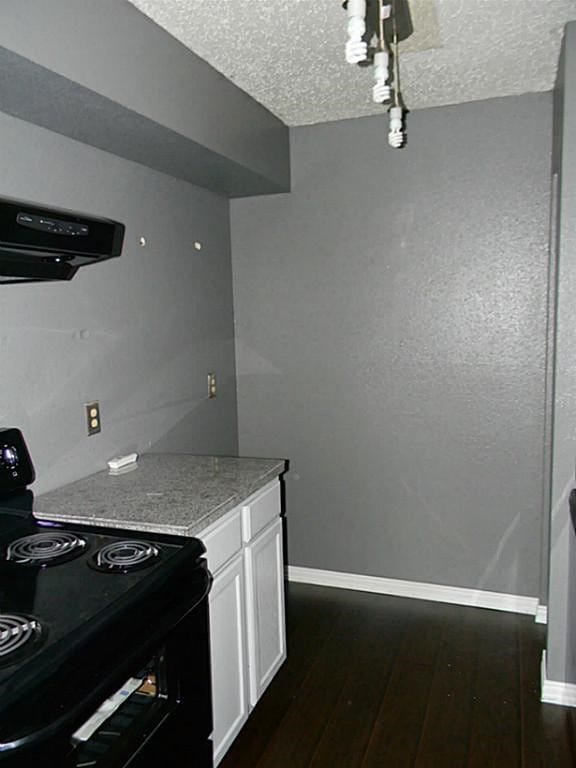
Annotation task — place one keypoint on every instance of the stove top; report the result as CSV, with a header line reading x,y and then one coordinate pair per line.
x,y
80,605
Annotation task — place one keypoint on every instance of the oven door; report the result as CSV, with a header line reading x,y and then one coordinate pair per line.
x,y
166,711
167,714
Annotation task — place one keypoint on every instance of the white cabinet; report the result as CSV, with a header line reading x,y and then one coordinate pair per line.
x,y
265,608
228,655
247,622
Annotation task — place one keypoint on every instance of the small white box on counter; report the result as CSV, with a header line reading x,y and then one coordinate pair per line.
x,y
121,464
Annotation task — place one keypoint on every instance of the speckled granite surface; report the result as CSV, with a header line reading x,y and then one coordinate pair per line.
x,y
167,493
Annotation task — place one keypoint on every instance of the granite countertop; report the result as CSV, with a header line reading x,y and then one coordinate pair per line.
x,y
179,494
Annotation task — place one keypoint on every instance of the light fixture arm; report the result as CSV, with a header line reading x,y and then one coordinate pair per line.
x,y
381,92
397,133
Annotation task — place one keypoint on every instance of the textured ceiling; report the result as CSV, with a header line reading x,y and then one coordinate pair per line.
x,y
289,54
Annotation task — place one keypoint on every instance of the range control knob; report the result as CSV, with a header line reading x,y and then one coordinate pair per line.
x,y
10,456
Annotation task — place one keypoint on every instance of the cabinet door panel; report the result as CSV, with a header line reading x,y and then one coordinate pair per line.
x,y
229,657
265,608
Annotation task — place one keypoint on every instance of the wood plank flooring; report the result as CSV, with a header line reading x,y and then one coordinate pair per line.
x,y
384,682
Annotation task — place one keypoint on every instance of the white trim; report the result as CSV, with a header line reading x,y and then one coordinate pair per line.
x,y
541,614
554,692
498,601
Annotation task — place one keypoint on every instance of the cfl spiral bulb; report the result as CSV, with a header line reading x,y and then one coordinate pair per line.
x,y
356,48
381,91
396,135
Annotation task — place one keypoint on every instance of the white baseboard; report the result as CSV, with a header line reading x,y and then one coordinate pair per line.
x,y
498,601
541,614
554,692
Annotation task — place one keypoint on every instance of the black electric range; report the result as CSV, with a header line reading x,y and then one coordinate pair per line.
x,y
104,656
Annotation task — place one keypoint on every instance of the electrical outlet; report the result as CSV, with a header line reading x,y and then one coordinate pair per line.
x,y
93,418
211,385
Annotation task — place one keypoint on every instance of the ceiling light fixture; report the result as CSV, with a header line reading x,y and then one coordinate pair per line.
x,y
374,29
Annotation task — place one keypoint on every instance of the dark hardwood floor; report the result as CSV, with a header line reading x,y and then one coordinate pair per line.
x,y
375,681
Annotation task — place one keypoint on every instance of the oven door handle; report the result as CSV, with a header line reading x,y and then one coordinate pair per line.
x,y
67,723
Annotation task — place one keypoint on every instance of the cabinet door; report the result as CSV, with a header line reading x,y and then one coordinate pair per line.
x,y
229,656
265,608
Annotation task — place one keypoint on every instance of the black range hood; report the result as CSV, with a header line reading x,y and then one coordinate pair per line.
x,y
39,243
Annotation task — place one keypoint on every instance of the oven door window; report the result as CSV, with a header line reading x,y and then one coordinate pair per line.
x,y
137,708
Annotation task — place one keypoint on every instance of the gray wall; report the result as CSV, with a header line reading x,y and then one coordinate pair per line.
x,y
390,330
561,644
138,333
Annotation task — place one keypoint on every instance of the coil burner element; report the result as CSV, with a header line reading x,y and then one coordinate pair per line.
x,y
125,556
46,548
18,635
